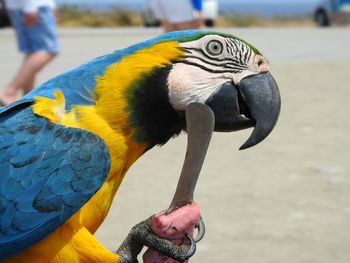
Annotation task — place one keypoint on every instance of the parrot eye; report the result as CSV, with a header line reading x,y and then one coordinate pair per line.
x,y
214,47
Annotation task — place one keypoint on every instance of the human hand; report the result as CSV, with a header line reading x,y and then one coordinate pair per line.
x,y
30,19
56,14
200,18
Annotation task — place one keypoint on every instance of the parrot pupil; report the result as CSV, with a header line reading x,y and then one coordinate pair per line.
x,y
214,47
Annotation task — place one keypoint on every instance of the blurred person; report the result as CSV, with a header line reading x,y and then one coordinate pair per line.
x,y
178,15
34,22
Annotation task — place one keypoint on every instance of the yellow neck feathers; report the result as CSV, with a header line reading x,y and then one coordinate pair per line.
x,y
112,85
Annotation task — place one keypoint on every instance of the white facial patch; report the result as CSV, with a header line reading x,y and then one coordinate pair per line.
x,y
207,64
192,84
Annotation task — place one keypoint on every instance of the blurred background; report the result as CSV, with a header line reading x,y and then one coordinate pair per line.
x,y
285,200
109,13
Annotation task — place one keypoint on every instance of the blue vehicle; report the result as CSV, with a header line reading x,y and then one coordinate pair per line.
x,y
328,12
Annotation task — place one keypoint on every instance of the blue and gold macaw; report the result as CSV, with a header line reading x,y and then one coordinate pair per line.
x,y
66,146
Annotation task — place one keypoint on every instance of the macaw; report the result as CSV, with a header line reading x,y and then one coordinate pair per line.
x,y
66,146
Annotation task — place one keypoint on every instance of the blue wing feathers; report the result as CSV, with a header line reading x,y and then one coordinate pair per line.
x,y
47,173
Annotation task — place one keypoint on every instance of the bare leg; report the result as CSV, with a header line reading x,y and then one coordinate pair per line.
x,y
25,77
29,85
194,24
168,27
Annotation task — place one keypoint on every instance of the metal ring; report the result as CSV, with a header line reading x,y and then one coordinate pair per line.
x,y
201,230
192,248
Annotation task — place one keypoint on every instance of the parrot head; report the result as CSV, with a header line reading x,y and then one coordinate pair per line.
x,y
232,78
219,70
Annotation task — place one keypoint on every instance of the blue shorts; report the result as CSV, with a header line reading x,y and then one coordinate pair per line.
x,y
40,37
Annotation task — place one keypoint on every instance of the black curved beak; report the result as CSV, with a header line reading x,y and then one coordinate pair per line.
x,y
255,102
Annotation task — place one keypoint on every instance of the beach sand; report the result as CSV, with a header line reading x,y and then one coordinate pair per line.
x,y
285,200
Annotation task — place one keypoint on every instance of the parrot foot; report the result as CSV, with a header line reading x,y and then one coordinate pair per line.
x,y
142,235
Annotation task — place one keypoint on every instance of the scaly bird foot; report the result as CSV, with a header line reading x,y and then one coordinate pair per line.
x,y
142,235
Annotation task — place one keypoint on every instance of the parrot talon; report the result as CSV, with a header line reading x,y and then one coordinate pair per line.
x,y
201,230
142,235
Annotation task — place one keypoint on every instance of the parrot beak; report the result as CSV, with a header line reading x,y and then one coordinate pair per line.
x,y
255,102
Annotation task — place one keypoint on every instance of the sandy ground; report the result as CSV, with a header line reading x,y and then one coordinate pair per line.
x,y
285,200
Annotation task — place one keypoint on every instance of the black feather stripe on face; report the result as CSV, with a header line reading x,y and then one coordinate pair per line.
x,y
150,112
